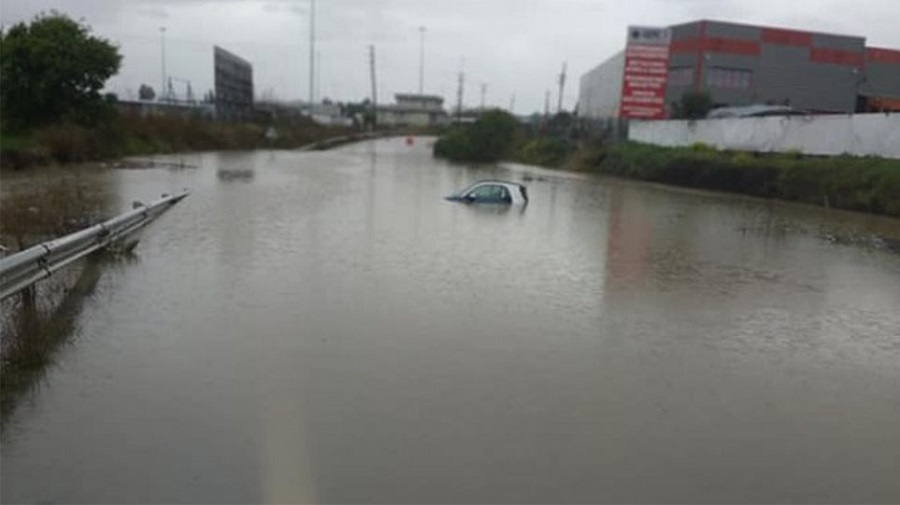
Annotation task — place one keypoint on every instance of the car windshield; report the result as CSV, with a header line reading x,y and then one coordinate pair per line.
x,y
458,251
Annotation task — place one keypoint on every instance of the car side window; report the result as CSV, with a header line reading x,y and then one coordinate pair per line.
x,y
484,193
504,195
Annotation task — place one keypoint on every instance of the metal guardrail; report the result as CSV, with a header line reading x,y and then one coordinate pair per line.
x,y
24,268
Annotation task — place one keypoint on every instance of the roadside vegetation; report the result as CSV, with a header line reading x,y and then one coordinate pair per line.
x,y
866,184
53,111
490,138
497,135
126,135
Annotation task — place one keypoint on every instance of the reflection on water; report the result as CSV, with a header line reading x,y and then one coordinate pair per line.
x,y
236,167
34,333
240,175
331,330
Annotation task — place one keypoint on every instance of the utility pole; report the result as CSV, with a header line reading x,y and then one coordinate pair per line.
x,y
562,84
312,52
318,95
421,60
374,89
459,96
483,92
512,104
546,104
162,45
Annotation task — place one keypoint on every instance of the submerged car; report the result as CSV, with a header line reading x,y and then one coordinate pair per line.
x,y
500,192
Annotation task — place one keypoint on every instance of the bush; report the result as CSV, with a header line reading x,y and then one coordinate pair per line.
x,y
702,147
543,151
589,156
489,139
692,105
69,143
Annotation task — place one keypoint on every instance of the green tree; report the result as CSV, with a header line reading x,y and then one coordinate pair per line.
x,y
694,105
488,139
492,134
53,69
146,92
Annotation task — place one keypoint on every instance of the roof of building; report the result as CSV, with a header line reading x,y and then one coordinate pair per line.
x,y
752,25
415,96
410,109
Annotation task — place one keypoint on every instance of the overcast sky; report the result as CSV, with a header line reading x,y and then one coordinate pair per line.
x,y
514,46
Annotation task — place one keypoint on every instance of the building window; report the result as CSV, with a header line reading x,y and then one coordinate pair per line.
x,y
728,78
681,76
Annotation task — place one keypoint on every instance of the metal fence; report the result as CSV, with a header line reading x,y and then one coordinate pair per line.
x,y
20,270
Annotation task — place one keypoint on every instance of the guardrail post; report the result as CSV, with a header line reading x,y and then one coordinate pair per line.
x,y
28,296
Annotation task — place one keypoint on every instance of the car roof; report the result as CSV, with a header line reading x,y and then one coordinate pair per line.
x,y
496,181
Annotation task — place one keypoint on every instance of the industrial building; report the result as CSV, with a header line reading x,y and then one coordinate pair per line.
x,y
413,110
741,64
234,86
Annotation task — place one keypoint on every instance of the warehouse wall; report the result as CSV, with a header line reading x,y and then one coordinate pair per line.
x,y
882,73
804,69
807,70
600,89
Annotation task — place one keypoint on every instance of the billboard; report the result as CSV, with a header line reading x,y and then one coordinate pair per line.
x,y
646,73
234,85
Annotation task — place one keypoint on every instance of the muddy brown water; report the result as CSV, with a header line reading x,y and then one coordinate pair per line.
x,y
323,327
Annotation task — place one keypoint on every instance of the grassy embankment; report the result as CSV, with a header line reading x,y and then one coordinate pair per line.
x,y
132,135
866,184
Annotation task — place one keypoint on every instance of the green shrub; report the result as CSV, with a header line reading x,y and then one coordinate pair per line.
x,y
489,139
702,147
742,159
543,151
66,143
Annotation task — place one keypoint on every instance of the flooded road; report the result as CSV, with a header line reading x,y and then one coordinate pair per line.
x,y
323,327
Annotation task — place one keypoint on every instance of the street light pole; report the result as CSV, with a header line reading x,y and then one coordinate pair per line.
x,y
162,45
312,50
421,60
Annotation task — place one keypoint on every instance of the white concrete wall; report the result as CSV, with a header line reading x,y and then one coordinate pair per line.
x,y
859,134
403,118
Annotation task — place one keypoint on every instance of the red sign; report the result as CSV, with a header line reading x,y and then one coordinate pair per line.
x,y
646,74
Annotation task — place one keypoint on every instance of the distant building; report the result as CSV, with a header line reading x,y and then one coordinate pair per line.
x,y
741,65
234,86
413,110
328,114
144,108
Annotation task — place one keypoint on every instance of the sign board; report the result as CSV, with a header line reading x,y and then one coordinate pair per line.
x,y
646,73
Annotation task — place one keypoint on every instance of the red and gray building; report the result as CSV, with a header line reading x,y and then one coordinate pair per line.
x,y
744,65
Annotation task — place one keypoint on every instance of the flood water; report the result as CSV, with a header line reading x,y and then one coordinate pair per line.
x,y
323,327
